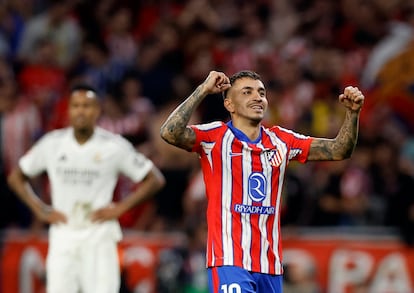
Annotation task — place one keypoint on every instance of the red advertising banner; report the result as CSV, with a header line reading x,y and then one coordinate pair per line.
x,y
23,261
334,264
353,264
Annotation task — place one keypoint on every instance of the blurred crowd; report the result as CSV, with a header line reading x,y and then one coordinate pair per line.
x,y
144,57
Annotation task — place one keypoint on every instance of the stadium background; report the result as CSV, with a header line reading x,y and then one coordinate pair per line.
x,y
144,57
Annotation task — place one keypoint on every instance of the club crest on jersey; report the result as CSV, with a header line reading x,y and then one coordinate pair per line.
x,y
97,158
257,187
274,157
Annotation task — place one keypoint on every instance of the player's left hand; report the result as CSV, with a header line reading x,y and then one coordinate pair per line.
x,y
352,98
110,212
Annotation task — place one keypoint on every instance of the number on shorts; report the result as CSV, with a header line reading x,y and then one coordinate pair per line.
x,y
232,288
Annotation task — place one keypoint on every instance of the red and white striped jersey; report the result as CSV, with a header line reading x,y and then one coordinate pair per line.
x,y
243,181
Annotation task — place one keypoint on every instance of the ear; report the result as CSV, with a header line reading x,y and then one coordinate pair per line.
x,y
228,104
98,110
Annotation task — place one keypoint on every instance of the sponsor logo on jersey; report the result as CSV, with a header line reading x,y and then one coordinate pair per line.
x,y
75,176
257,187
248,209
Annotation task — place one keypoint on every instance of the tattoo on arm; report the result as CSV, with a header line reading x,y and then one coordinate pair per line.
x,y
175,130
340,147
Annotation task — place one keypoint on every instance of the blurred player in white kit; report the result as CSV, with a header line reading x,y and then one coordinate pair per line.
x,y
83,163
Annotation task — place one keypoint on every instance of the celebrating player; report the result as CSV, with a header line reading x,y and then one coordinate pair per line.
x,y
243,164
83,163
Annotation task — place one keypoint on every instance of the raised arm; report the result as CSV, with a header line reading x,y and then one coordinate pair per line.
x,y
175,129
342,146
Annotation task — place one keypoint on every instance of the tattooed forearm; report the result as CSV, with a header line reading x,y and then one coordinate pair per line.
x,y
342,146
348,134
175,130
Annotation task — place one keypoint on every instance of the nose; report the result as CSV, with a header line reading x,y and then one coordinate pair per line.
x,y
257,96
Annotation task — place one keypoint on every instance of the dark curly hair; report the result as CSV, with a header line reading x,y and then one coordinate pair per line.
x,y
242,74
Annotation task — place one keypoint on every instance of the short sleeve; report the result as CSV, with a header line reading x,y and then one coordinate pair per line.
x,y
204,133
34,162
298,144
134,164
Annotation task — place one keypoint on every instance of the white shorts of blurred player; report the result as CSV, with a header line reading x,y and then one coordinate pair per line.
x,y
85,266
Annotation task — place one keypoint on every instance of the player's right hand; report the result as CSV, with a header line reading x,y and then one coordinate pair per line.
x,y
216,82
51,216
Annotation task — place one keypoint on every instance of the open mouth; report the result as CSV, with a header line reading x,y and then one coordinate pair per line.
x,y
257,107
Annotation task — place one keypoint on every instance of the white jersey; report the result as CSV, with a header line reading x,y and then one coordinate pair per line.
x,y
83,177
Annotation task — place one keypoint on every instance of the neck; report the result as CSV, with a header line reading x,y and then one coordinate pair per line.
x,y
83,135
250,129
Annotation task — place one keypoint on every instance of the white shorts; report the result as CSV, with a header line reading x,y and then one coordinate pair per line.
x,y
83,266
